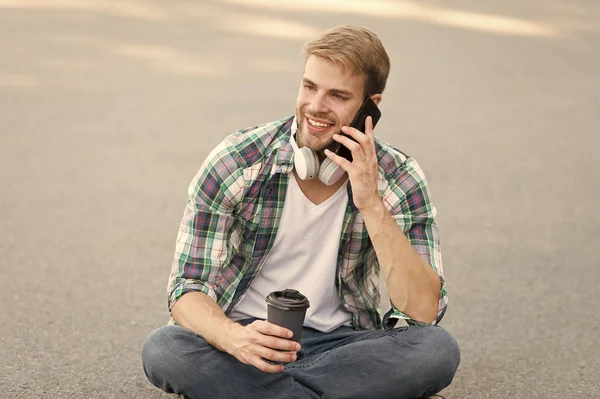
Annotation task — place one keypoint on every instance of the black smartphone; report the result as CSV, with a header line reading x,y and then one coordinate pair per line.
x,y
368,108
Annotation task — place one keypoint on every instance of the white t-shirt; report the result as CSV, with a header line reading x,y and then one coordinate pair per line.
x,y
304,258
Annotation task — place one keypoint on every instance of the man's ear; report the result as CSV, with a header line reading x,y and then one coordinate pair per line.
x,y
376,98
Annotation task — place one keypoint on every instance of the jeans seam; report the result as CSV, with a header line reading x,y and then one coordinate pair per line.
x,y
317,360
397,336
310,354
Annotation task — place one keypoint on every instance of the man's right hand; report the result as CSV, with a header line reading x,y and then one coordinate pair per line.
x,y
260,340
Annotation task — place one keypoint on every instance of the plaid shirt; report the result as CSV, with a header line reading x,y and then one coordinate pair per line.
x,y
233,213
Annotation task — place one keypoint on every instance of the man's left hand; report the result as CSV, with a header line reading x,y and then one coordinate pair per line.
x,y
362,171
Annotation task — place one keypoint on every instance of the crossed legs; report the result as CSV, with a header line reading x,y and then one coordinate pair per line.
x,y
406,362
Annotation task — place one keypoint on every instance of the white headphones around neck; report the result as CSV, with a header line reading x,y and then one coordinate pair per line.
x,y
308,166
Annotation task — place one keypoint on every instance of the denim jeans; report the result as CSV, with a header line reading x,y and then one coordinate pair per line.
x,y
404,362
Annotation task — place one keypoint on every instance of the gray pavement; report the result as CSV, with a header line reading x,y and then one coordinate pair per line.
x,y
108,108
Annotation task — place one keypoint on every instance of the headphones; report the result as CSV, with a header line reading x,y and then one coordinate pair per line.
x,y
308,166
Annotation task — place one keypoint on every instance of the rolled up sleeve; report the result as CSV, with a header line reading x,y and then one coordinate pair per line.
x,y
202,239
415,215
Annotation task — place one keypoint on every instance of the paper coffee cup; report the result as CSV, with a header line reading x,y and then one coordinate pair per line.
x,y
287,309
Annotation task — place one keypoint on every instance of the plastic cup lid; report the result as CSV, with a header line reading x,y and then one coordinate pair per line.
x,y
288,299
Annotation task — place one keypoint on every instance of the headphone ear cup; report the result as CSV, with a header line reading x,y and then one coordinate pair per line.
x,y
306,163
329,173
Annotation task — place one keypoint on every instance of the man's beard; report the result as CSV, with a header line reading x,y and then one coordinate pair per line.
x,y
303,135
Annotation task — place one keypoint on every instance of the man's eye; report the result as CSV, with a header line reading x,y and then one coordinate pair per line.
x,y
309,87
339,97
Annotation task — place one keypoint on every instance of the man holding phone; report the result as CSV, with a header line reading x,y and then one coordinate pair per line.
x,y
280,206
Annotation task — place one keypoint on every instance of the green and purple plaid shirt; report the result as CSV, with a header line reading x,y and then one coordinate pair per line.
x,y
233,213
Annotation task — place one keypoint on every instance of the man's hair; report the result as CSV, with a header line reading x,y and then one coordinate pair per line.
x,y
356,48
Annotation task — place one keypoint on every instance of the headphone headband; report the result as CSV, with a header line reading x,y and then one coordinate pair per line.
x,y
294,129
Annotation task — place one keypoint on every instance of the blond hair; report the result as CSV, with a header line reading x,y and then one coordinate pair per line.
x,y
356,48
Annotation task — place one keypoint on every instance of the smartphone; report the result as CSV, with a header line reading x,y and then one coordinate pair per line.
x,y
368,108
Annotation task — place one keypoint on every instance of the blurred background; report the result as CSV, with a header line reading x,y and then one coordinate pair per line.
x,y
108,108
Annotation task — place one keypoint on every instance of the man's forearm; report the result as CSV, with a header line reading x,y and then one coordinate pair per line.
x,y
413,285
199,313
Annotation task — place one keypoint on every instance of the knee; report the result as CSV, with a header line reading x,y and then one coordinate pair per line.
x,y
158,353
444,354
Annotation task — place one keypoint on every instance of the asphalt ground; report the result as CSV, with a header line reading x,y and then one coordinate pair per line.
x,y
108,108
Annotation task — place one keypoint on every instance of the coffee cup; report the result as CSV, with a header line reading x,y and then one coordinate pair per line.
x,y
287,309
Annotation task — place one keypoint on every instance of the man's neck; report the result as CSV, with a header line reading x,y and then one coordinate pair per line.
x,y
317,191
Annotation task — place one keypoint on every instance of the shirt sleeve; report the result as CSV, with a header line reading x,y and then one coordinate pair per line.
x,y
201,246
415,214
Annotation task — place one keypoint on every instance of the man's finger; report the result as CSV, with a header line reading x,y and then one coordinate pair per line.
x,y
369,133
267,328
356,134
340,161
265,366
369,127
350,144
365,140
271,341
277,356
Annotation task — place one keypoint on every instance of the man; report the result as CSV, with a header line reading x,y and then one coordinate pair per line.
x,y
253,225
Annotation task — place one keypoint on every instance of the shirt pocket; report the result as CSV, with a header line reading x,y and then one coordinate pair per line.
x,y
257,233
255,237
245,232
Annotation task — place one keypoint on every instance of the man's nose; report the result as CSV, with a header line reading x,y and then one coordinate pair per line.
x,y
319,105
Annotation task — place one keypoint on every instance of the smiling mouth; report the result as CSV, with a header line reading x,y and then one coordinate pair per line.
x,y
317,124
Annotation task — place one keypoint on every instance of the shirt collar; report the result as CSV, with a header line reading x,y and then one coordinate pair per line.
x,y
284,161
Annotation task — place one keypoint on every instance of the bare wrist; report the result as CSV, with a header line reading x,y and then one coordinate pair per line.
x,y
374,208
225,339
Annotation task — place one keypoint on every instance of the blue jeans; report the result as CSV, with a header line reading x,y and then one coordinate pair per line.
x,y
404,362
